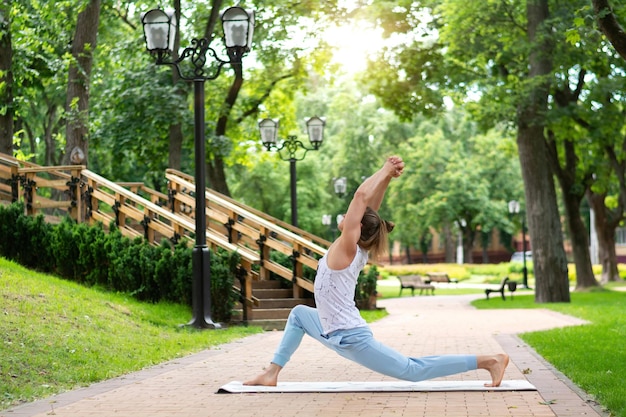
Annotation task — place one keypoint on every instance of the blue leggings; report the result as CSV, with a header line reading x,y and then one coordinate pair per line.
x,y
359,345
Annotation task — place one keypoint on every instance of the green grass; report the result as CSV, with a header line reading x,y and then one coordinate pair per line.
x,y
373,315
593,356
57,335
391,289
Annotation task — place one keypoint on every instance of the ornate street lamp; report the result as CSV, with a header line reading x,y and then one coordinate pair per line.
x,y
340,184
292,146
160,31
514,208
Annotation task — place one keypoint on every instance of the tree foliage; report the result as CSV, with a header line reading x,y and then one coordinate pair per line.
x,y
456,178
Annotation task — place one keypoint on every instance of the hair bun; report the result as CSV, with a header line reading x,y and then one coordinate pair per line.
x,y
389,225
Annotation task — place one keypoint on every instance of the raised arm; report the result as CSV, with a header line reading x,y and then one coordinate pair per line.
x,y
369,194
372,190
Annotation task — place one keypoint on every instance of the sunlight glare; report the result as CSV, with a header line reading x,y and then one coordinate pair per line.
x,y
353,45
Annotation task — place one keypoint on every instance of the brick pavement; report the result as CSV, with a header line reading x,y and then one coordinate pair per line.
x,y
419,325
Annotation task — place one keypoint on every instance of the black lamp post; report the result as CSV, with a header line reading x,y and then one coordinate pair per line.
x,y
514,208
291,146
160,30
340,185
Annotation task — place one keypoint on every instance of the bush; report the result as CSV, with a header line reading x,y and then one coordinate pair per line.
x,y
223,263
365,294
88,255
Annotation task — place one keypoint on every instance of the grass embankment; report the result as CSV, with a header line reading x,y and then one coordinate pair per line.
x,y
58,335
592,355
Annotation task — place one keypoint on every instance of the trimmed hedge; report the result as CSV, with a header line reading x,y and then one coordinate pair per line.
x,y
90,256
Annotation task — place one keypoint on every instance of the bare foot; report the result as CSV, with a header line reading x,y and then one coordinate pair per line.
x,y
269,378
496,365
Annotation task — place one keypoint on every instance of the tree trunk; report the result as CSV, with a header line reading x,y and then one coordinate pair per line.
x,y
580,242
610,26
450,244
77,103
175,148
468,245
7,111
572,189
217,174
215,167
550,264
50,157
573,181
424,245
605,228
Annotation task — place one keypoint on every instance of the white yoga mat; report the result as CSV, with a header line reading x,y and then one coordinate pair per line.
x,y
236,387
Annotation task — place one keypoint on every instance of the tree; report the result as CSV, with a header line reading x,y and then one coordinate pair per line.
x,y
456,178
7,110
77,102
588,127
610,26
40,34
550,264
280,64
609,216
176,129
501,72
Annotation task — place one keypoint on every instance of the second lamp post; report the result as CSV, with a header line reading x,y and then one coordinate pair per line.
x,y
292,146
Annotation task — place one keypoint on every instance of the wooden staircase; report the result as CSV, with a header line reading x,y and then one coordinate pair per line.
x,y
268,289
274,304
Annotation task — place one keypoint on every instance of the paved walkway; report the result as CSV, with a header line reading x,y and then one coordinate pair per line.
x,y
420,325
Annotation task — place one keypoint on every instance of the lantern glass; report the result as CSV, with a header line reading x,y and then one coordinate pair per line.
x,y
315,129
159,28
340,185
513,207
269,131
238,25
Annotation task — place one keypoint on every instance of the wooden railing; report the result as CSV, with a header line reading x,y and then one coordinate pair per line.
x,y
281,224
9,179
140,211
245,228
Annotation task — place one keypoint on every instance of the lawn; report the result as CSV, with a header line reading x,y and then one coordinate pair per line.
x,y
593,356
390,288
58,335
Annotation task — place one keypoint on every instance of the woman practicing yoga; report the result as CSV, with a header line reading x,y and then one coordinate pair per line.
x,y
336,322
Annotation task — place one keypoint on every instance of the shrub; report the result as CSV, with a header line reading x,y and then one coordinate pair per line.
x,y
223,263
365,294
88,255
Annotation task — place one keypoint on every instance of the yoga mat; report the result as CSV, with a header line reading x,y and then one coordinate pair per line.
x,y
236,387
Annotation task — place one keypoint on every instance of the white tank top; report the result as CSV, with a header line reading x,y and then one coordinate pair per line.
x,y
334,294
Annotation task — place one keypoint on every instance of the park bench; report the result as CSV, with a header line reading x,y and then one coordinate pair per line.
x,y
415,282
506,283
439,277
